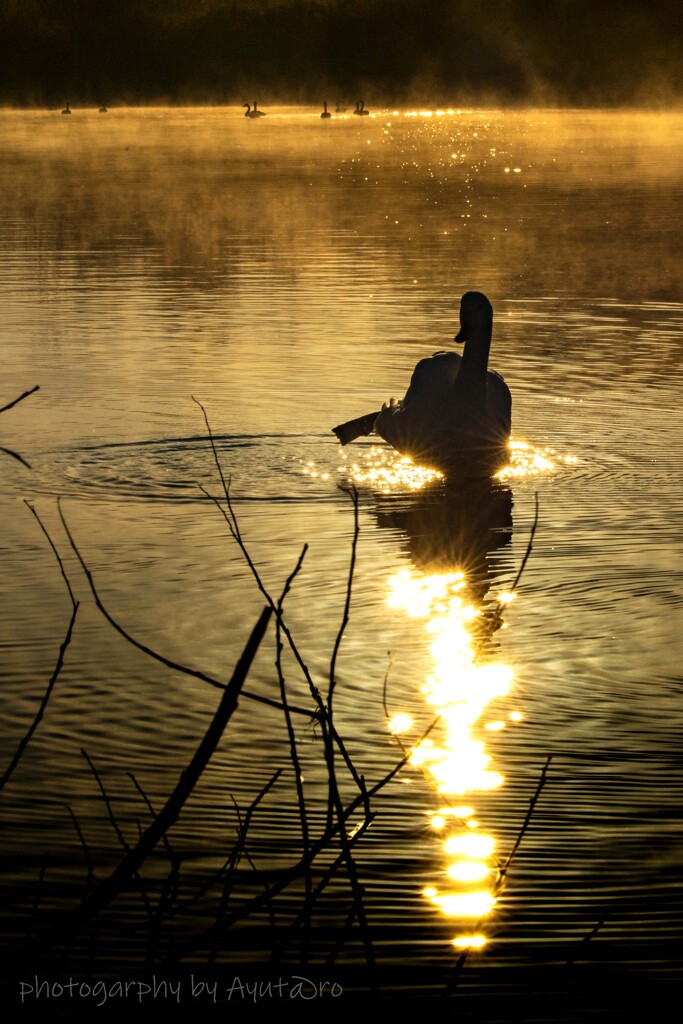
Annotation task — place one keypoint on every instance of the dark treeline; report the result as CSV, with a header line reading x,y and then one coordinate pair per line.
x,y
444,51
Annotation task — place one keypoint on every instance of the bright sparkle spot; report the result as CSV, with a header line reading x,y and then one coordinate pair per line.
x,y
386,470
526,461
476,846
468,870
469,941
465,904
494,726
401,722
516,716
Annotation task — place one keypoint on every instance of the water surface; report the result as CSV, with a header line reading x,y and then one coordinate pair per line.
x,y
288,273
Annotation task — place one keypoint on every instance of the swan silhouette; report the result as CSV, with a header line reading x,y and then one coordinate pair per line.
x,y
360,109
67,108
325,112
253,113
456,414
103,109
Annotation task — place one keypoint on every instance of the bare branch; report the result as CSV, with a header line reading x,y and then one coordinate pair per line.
x,y
194,673
39,714
32,510
353,492
110,888
15,455
21,398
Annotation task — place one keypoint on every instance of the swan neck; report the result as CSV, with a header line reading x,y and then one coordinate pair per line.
x,y
475,359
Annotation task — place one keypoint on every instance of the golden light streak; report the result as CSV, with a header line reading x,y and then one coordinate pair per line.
x,y
460,688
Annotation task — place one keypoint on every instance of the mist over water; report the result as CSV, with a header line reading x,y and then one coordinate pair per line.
x,y
289,273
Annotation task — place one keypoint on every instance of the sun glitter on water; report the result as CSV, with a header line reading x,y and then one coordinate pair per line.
x,y
526,460
385,470
460,687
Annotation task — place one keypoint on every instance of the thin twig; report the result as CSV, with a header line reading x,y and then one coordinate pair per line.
x,y
235,855
112,886
458,969
86,851
525,825
21,398
167,846
233,525
296,870
293,752
39,714
39,896
107,801
529,546
587,938
17,456
194,673
115,825
55,552
353,493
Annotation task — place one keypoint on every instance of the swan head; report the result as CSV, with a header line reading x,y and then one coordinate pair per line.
x,y
476,313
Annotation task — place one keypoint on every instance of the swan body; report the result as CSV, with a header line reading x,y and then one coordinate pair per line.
x,y
325,114
253,113
103,109
456,414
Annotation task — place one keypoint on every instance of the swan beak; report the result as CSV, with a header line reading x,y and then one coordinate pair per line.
x,y
460,337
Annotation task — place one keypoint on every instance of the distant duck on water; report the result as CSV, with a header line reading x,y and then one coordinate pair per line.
x,y
103,109
253,113
325,112
360,109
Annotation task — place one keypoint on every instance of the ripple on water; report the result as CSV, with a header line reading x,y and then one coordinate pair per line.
x,y
268,467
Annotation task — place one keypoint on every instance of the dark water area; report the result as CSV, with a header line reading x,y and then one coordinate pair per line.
x,y
288,273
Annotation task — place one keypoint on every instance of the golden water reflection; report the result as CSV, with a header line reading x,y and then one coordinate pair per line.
x,y
460,688
451,533
384,470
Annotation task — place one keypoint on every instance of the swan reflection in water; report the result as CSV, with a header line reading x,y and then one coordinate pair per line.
x,y
451,533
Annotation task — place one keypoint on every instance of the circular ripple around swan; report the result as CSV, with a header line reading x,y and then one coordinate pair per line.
x,y
179,470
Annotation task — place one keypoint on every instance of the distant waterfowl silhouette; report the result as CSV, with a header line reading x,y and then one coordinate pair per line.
x,y
325,112
253,113
340,109
103,109
67,109
360,109
456,414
